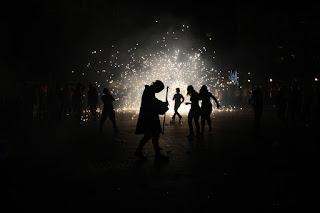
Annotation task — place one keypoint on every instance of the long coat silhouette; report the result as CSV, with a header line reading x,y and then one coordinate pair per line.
x,y
148,121
151,107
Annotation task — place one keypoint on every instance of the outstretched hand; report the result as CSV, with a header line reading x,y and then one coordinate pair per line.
x,y
188,103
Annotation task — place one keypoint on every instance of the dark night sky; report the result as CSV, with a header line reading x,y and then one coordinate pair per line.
x,y
53,35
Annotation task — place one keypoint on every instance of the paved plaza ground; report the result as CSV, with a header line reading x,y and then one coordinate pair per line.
x,y
59,165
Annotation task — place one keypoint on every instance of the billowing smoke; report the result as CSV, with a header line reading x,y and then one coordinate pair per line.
x,y
174,54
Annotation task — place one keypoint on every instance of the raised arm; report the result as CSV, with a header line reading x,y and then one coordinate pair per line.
x,y
112,98
182,99
215,99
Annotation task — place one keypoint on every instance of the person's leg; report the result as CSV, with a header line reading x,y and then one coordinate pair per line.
x,y
196,121
190,117
155,143
174,114
209,124
209,121
203,122
113,120
94,112
179,115
102,120
158,155
142,142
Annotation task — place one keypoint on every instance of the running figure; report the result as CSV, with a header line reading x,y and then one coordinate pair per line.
x,y
178,100
108,110
206,107
194,112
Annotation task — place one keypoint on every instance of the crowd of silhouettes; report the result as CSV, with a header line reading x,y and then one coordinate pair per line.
x,y
296,105
196,111
63,101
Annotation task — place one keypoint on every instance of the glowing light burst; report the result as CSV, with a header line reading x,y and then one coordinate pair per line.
x,y
234,77
171,58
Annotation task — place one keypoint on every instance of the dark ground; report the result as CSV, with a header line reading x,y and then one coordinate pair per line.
x,y
60,166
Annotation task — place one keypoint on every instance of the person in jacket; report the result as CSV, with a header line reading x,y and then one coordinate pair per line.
x,y
148,122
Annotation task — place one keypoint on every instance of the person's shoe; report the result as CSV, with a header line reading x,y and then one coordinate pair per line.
x,y
180,119
140,155
160,158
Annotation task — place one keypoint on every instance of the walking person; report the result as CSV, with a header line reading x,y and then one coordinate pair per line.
x,y
256,101
194,112
206,107
108,110
67,100
77,101
93,101
148,122
178,100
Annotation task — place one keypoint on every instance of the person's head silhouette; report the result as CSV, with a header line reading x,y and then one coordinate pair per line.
x,y
105,90
190,90
157,86
203,89
178,90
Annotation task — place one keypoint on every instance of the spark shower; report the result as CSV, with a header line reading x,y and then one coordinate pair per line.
x,y
175,56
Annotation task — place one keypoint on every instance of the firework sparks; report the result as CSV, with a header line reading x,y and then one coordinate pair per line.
x,y
173,57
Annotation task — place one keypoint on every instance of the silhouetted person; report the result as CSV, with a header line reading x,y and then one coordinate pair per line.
x,y
108,110
294,104
206,107
67,94
256,101
93,101
282,103
178,100
148,122
194,112
77,100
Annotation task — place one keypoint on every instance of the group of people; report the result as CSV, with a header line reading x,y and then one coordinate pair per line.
x,y
196,111
149,124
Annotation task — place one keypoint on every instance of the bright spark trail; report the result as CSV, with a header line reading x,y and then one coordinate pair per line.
x,y
174,57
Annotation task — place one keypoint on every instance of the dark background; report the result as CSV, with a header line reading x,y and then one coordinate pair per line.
x,y
45,39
